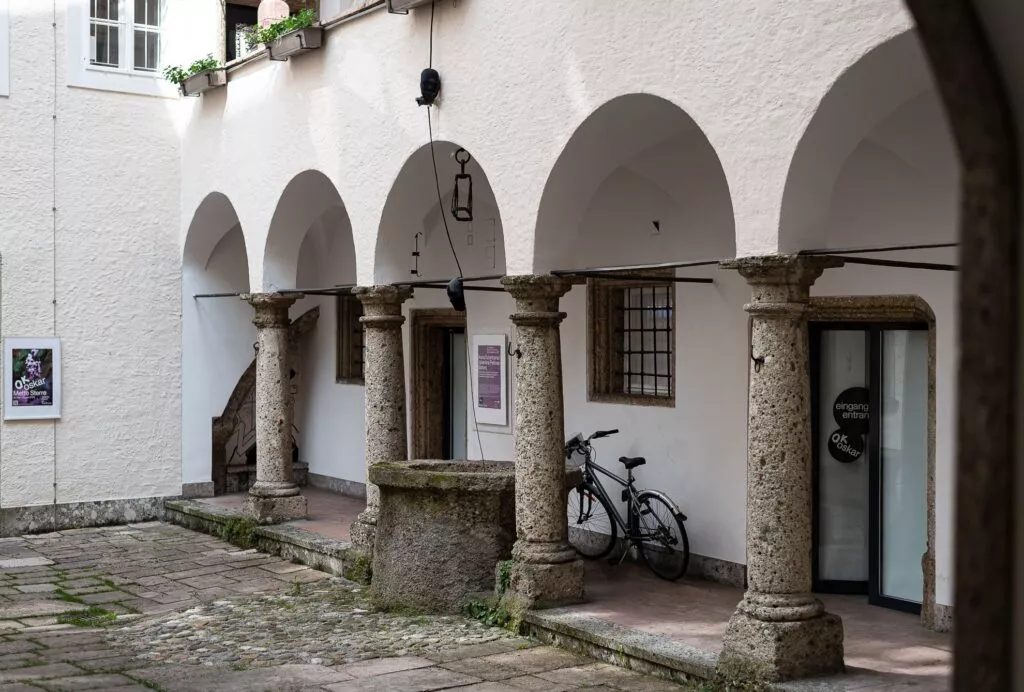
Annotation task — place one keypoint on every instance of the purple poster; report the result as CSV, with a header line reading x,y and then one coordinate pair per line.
x,y
489,376
32,377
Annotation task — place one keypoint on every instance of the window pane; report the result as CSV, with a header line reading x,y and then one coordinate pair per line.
x,y
153,50
147,12
104,48
104,9
147,44
140,50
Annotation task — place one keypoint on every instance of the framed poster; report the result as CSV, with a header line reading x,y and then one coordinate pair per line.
x,y
32,381
490,379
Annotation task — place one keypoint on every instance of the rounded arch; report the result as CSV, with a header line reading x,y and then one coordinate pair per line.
x,y
217,333
638,181
413,220
885,100
214,218
310,209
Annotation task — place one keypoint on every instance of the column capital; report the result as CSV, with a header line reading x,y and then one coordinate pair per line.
x,y
382,305
781,284
536,298
271,308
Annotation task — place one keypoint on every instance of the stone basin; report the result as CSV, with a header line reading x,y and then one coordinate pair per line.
x,y
443,526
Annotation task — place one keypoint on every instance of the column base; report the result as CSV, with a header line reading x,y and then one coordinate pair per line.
x,y
756,651
533,585
363,534
273,510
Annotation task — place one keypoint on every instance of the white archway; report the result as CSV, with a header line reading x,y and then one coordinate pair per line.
x,y
638,182
884,106
413,218
217,333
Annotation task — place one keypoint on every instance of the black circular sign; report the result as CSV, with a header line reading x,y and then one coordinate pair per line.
x,y
852,411
845,447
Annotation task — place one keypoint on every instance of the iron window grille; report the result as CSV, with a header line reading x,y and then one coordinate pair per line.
x,y
632,340
350,340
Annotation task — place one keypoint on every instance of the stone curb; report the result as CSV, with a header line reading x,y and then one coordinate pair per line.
x,y
645,653
289,542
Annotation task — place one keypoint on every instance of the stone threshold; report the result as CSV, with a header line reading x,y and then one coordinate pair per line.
x,y
286,540
627,648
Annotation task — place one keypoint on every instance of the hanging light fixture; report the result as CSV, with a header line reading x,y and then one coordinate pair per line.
x,y
462,196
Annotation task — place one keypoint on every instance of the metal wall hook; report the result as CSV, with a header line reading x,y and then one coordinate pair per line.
x,y
758,360
510,352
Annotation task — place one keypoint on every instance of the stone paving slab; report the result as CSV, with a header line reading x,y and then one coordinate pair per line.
x,y
159,607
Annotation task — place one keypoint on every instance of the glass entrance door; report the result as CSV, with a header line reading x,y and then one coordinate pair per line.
x,y
870,429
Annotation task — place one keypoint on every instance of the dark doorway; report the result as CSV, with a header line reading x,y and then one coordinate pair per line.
x,y
869,421
234,17
439,384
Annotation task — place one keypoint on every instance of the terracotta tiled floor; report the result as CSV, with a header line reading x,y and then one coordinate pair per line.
x,y
330,514
883,645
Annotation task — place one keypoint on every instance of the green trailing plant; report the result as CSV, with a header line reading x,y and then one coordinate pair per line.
x,y
176,74
504,576
492,614
268,34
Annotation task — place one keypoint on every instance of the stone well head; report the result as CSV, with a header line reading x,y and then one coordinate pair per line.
x,y
443,527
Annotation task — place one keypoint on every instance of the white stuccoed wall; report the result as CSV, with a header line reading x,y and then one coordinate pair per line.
x,y
349,110
116,260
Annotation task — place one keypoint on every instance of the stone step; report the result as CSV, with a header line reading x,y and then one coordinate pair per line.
x,y
287,540
621,646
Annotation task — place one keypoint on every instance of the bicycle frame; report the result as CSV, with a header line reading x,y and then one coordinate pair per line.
x,y
629,494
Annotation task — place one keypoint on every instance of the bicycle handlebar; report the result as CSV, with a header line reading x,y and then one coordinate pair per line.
x,y
603,433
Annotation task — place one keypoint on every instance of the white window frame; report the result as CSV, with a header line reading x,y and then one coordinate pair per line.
x,y
5,49
81,73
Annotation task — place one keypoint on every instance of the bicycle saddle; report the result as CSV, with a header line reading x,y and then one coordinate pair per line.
x,y
632,462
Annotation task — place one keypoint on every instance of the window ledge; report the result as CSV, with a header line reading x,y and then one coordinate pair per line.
x,y
633,400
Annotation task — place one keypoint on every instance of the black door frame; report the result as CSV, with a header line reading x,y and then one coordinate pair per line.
x,y
872,588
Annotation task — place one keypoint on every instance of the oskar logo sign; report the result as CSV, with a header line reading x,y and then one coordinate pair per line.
x,y
852,412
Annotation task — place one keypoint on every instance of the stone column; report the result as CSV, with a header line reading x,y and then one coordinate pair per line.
x,y
384,381
545,569
274,497
780,631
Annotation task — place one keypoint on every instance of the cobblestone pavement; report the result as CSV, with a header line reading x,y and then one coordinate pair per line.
x,y
157,607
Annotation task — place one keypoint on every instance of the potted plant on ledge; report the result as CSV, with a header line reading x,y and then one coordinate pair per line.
x,y
202,75
290,36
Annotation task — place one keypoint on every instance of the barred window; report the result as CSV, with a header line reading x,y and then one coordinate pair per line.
x,y
350,340
632,341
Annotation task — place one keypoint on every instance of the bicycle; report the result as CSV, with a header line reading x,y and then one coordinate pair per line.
x,y
653,522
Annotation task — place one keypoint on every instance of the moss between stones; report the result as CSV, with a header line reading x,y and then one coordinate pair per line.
x,y
358,567
240,532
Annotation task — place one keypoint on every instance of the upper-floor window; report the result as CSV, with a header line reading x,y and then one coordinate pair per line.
x,y
125,34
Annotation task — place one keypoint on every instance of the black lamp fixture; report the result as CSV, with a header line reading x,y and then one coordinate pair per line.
x,y
462,195
430,87
456,295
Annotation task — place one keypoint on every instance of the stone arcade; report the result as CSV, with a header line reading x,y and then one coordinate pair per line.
x,y
701,241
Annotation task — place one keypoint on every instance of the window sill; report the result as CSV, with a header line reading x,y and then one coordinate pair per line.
x,y
632,400
140,84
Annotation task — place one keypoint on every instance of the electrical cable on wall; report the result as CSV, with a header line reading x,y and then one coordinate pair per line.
x,y
54,211
430,87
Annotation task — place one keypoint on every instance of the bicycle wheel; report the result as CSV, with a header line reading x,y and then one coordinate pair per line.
x,y
592,530
663,542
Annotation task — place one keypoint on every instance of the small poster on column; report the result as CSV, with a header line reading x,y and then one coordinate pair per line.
x,y
32,379
490,379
